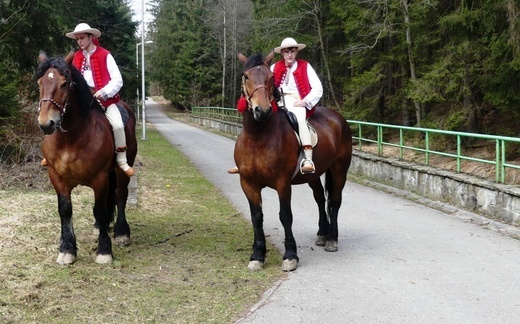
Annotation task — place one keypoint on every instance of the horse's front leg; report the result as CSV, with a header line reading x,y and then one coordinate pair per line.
x,y
290,257
68,247
103,218
254,197
257,260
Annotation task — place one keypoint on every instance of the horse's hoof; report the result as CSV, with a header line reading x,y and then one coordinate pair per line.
x,y
289,265
320,240
255,265
331,246
104,258
122,240
65,258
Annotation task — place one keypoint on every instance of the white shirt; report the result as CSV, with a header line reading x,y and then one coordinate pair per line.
x,y
116,80
288,85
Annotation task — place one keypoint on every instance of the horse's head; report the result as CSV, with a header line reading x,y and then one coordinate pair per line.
x,y
258,84
56,84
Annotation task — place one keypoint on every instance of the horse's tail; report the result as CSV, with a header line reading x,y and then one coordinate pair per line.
x,y
328,188
111,200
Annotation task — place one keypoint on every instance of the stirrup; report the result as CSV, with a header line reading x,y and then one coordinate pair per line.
x,y
307,166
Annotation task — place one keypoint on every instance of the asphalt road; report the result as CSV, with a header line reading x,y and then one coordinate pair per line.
x,y
398,261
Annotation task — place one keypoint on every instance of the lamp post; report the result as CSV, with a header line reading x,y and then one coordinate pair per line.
x,y
143,9
137,76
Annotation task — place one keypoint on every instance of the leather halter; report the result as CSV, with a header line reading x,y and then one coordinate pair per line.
x,y
261,86
62,108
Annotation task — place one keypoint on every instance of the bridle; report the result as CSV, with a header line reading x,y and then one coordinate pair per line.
x,y
261,86
62,108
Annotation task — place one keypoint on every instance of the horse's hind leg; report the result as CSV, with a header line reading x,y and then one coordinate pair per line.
x,y
323,223
335,180
121,227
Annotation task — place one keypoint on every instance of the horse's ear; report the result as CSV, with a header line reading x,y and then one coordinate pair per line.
x,y
42,57
269,57
69,57
242,57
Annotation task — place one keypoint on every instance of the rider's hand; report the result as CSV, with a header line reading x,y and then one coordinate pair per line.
x,y
100,95
299,103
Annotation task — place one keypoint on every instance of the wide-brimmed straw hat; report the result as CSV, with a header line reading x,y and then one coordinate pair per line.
x,y
84,29
288,43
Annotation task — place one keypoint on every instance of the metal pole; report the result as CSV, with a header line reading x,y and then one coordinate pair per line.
x,y
137,77
143,94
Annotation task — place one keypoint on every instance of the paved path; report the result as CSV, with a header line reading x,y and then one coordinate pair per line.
x,y
398,261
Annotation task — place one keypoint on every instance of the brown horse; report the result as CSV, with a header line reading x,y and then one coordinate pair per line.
x,y
267,153
79,148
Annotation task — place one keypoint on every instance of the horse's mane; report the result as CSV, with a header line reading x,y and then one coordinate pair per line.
x,y
83,95
256,60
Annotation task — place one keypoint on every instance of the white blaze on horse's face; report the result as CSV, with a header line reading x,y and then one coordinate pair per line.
x,y
51,87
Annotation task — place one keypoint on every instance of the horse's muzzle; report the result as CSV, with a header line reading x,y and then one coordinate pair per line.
x,y
262,114
48,128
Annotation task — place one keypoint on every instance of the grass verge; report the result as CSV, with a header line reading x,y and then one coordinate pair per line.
x,y
187,262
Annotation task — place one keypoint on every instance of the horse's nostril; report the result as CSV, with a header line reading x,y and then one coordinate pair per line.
x,y
49,128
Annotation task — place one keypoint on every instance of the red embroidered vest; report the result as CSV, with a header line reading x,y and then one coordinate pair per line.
x,y
300,77
99,69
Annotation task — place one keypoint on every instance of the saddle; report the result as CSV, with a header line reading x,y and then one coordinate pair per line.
x,y
291,118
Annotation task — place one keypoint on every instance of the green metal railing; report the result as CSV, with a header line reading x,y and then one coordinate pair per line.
x,y
224,114
420,140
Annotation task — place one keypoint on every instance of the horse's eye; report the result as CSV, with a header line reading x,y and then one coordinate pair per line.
x,y
63,85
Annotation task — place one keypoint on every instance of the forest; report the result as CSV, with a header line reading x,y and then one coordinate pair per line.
x,y
446,64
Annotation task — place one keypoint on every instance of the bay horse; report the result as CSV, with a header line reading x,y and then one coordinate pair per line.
x,y
267,153
79,148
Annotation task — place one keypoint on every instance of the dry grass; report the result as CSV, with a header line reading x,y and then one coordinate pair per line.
x,y
187,262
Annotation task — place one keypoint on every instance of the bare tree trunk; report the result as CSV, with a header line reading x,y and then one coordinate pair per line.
x,y
409,42
315,12
405,114
224,55
233,53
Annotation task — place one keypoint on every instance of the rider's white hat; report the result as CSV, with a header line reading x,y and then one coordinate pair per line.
x,y
84,29
288,43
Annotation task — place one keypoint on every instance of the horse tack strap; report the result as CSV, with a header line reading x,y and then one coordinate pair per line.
x,y
60,107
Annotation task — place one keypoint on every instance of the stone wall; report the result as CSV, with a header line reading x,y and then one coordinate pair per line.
x,y
496,201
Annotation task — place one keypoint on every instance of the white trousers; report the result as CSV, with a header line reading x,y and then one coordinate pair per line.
x,y
114,117
301,116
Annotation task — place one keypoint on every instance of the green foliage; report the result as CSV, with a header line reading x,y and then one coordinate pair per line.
x,y
27,27
183,60
9,80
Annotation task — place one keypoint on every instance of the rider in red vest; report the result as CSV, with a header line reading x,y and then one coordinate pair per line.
x,y
102,74
301,89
